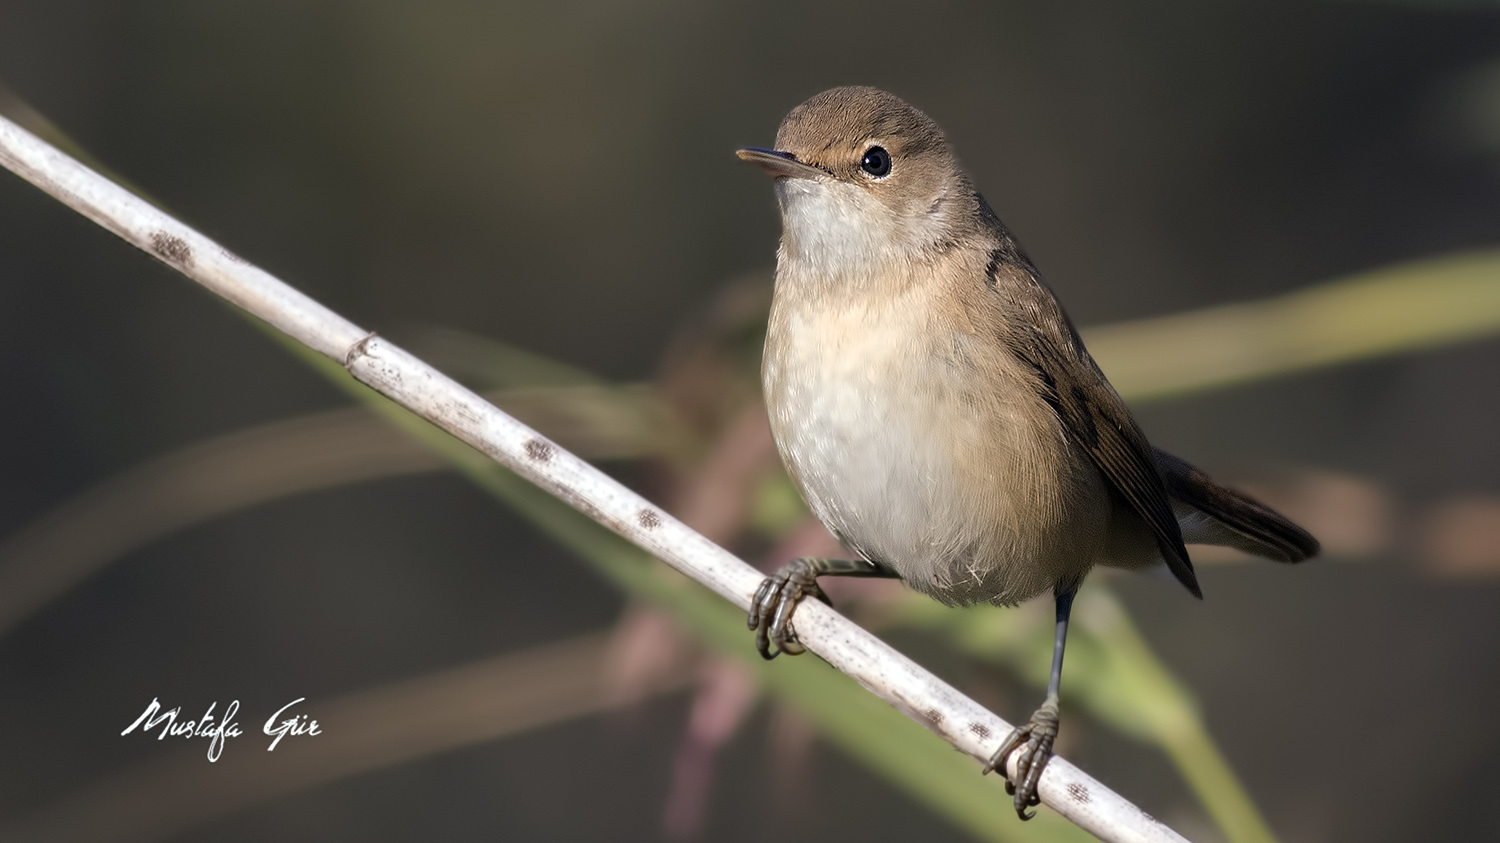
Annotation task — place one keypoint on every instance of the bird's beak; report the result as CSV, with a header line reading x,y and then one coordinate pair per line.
x,y
780,164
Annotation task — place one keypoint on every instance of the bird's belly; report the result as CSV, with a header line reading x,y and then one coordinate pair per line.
x,y
914,460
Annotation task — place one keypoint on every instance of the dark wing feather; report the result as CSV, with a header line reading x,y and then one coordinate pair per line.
x,y
1269,533
1092,413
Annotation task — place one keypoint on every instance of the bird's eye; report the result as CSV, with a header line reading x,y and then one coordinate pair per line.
x,y
877,162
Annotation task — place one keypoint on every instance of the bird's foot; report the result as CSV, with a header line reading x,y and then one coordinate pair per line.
x,y
771,608
1034,740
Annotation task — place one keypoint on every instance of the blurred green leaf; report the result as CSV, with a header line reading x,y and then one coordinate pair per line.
x,y
1411,306
1113,674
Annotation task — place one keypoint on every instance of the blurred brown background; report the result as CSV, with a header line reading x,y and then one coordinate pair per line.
x,y
560,177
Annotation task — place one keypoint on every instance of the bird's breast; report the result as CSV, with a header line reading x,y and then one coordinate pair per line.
x,y
920,444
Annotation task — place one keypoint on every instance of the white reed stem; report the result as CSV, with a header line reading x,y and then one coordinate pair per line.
x,y
429,393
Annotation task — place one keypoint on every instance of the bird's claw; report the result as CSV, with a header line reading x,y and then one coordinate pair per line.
x,y
771,608
1034,740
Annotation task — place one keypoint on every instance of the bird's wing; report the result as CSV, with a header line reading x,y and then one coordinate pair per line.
x,y
1038,332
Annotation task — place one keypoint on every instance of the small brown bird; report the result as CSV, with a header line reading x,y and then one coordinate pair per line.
x,y
937,409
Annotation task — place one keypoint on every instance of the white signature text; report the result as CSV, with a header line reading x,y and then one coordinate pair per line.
x,y
278,726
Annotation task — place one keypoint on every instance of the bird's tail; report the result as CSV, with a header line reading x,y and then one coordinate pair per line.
x,y
1212,514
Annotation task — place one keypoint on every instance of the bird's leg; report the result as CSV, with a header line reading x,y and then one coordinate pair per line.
x,y
1035,739
771,608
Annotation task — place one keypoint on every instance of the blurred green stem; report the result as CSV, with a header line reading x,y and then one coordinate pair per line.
x,y
1409,306
1170,714
1113,673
